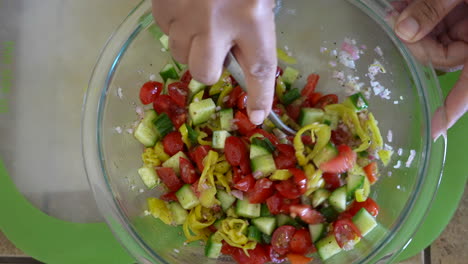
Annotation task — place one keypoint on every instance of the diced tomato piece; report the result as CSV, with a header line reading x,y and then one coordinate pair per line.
x,y
286,157
306,140
186,77
275,257
301,242
263,189
246,184
198,154
178,115
237,175
149,91
187,171
233,97
306,213
227,249
243,123
279,71
178,91
194,188
245,166
242,100
343,162
332,181
314,98
173,143
293,110
293,187
277,110
169,178
281,238
299,259
169,197
309,88
273,139
346,233
369,204
326,100
371,171
162,104
278,204
256,256
235,150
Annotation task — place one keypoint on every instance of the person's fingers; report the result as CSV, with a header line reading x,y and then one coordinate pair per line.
x,y
206,59
421,16
161,15
179,42
456,105
256,54
399,5
459,31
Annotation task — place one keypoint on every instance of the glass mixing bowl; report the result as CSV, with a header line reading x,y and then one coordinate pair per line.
x,y
404,193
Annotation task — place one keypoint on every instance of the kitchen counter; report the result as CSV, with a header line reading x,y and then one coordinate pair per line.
x,y
449,248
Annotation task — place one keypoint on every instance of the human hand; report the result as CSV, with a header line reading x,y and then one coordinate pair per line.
x,y
202,32
441,27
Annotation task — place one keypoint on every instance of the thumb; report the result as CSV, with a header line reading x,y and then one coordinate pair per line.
x,y
456,105
421,17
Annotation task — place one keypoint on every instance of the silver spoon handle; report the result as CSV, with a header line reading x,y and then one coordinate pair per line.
x,y
234,68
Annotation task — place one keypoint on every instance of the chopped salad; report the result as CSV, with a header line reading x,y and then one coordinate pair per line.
x,y
254,192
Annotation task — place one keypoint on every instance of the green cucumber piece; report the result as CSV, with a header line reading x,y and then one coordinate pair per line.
x,y
328,247
263,166
145,132
164,39
213,248
226,199
169,72
266,239
290,76
317,231
320,196
187,197
217,223
265,224
282,219
225,119
357,102
173,162
310,115
338,199
364,221
163,125
291,96
254,233
195,86
353,183
179,214
202,111
263,142
264,211
149,176
192,135
326,154
329,213
181,67
246,209
256,151
219,138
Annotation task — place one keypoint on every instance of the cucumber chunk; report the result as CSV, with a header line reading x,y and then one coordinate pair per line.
x,y
328,247
219,138
174,161
263,166
338,199
213,248
226,199
353,183
149,176
179,215
246,209
254,233
225,119
164,39
357,102
263,142
169,72
364,221
291,95
202,111
163,125
310,115
145,132
290,76
187,197
326,154
320,196
265,224
256,151
195,86
317,231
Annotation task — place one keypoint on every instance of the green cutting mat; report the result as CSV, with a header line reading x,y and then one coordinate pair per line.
x,y
54,241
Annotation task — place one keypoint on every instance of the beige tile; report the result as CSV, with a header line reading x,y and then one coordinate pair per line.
x,y
451,247
7,249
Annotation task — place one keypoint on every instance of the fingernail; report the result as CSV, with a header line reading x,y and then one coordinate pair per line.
x,y
257,116
408,28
